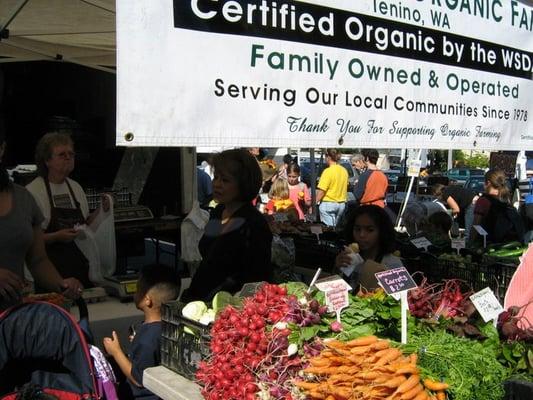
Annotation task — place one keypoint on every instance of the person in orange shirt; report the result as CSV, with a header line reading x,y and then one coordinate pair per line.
x,y
373,183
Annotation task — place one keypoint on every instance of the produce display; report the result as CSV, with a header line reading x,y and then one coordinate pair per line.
x,y
283,343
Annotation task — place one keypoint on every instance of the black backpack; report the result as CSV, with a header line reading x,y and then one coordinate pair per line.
x,y
502,223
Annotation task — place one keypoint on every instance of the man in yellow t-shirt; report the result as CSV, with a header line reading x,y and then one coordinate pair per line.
x,y
332,189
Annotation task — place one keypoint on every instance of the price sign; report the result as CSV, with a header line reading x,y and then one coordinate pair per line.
x,y
479,229
280,217
487,304
395,280
336,292
414,168
421,243
458,244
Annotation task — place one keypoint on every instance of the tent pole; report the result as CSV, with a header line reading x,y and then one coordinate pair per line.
x,y
14,13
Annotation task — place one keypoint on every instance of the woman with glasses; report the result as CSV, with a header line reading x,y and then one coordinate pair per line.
x,y
63,204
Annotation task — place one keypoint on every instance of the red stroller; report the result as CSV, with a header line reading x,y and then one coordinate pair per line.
x,y
41,343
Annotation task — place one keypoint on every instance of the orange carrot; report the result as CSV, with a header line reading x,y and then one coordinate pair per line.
x,y
358,350
394,382
392,354
409,384
412,393
413,357
362,341
380,345
441,396
408,369
435,386
423,395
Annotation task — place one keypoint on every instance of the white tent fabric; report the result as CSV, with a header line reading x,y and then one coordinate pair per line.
x,y
77,31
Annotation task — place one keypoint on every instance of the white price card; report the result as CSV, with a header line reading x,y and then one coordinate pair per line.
x,y
487,304
336,291
414,168
459,243
421,243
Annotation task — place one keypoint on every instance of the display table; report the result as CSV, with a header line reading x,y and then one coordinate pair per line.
x,y
170,386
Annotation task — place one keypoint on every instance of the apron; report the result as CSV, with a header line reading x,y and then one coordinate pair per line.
x,y
67,257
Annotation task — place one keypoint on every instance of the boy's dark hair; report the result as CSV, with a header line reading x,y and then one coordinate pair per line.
x,y
159,279
370,155
382,221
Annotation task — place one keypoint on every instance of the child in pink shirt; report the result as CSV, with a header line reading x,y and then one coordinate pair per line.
x,y
298,191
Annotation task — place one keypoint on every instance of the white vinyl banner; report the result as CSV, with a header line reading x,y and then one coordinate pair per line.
x,y
316,73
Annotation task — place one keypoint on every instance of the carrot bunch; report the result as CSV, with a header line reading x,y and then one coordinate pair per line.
x,y
367,368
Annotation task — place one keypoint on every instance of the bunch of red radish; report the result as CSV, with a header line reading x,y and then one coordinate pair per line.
x,y
242,348
445,299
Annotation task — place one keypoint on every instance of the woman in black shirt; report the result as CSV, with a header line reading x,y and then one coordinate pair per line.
x,y
236,246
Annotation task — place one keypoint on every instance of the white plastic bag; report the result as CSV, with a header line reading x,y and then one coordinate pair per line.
x,y
192,230
97,243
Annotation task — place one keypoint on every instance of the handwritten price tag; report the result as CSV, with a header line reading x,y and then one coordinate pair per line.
x,y
395,280
336,292
487,304
421,243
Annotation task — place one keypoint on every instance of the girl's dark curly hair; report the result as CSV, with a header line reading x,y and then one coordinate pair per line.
x,y
382,220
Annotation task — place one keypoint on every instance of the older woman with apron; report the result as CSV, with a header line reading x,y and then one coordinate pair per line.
x,y
63,204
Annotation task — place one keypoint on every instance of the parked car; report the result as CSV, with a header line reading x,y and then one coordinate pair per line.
x,y
476,184
461,175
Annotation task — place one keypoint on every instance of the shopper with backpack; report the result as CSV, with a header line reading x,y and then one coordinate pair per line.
x,y
494,212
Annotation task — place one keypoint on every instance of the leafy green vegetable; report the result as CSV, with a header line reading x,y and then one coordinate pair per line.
x,y
379,314
298,289
471,368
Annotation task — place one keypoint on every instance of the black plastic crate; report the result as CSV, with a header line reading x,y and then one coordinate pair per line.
x,y
518,390
311,253
184,343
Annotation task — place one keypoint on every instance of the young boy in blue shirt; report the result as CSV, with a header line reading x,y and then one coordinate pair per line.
x,y
156,285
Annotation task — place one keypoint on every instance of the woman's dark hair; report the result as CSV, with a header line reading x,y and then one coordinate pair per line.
x,y
370,155
244,168
498,180
382,220
437,190
293,167
45,148
334,154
